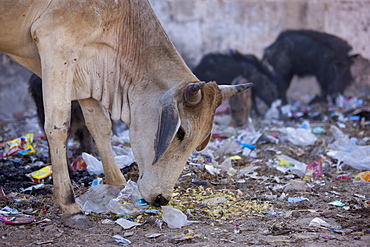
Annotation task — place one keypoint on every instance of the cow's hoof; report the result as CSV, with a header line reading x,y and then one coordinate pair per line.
x,y
77,221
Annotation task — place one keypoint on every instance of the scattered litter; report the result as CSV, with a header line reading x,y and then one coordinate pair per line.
x,y
152,211
330,237
214,201
93,165
121,240
107,222
287,163
249,146
9,211
126,224
174,217
95,200
153,235
362,177
33,187
296,185
337,203
17,220
300,136
343,231
273,112
223,177
187,236
271,212
39,175
198,183
319,222
297,199
343,177
318,130
212,170
21,145
360,196
348,153
314,169
102,198
79,164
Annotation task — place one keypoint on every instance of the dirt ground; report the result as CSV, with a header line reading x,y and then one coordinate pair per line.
x,y
231,210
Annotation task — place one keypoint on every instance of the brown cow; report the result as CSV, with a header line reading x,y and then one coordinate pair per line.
x,y
240,105
114,57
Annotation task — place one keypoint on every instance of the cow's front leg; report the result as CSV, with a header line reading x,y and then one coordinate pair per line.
x,y
56,88
100,126
56,128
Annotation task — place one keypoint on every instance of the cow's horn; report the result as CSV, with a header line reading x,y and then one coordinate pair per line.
x,y
192,92
229,90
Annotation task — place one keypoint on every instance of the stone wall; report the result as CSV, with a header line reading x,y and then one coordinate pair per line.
x,y
200,26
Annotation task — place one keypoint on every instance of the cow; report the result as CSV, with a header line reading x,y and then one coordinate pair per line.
x,y
309,52
115,58
240,105
77,126
225,67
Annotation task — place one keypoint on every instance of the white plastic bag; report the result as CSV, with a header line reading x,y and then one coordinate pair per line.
x,y
93,165
348,153
174,217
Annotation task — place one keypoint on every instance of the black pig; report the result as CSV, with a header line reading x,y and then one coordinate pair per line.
x,y
224,68
308,52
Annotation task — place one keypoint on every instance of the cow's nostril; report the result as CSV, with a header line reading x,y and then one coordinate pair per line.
x,y
160,201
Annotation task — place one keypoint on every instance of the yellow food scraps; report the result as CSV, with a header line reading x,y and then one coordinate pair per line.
x,y
218,204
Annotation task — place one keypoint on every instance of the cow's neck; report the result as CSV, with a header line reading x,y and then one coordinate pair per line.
x,y
148,45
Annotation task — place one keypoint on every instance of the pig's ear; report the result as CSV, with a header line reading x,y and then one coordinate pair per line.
x,y
168,125
204,143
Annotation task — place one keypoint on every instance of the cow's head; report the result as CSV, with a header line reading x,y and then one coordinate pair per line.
x,y
166,128
240,104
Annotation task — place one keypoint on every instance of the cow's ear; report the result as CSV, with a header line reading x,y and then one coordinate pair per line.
x,y
204,143
168,125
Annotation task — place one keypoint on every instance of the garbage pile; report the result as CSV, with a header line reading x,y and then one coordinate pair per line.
x,y
291,156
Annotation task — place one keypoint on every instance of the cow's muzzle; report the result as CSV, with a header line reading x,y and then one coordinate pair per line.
x,y
160,201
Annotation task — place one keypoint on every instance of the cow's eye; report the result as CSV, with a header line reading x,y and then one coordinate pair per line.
x,y
180,134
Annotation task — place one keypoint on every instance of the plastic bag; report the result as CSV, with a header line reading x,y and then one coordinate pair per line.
x,y
39,175
348,153
97,197
362,177
21,145
93,165
287,163
174,217
129,201
300,136
273,112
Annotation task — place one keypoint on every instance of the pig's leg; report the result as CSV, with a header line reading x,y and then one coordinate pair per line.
x,y
98,122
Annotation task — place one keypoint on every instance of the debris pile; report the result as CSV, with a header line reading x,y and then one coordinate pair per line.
x,y
307,162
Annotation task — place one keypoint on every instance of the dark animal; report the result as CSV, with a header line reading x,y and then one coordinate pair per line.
x,y
77,127
240,104
225,67
308,52
115,58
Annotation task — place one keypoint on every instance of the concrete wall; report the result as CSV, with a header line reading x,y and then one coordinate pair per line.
x,y
201,26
